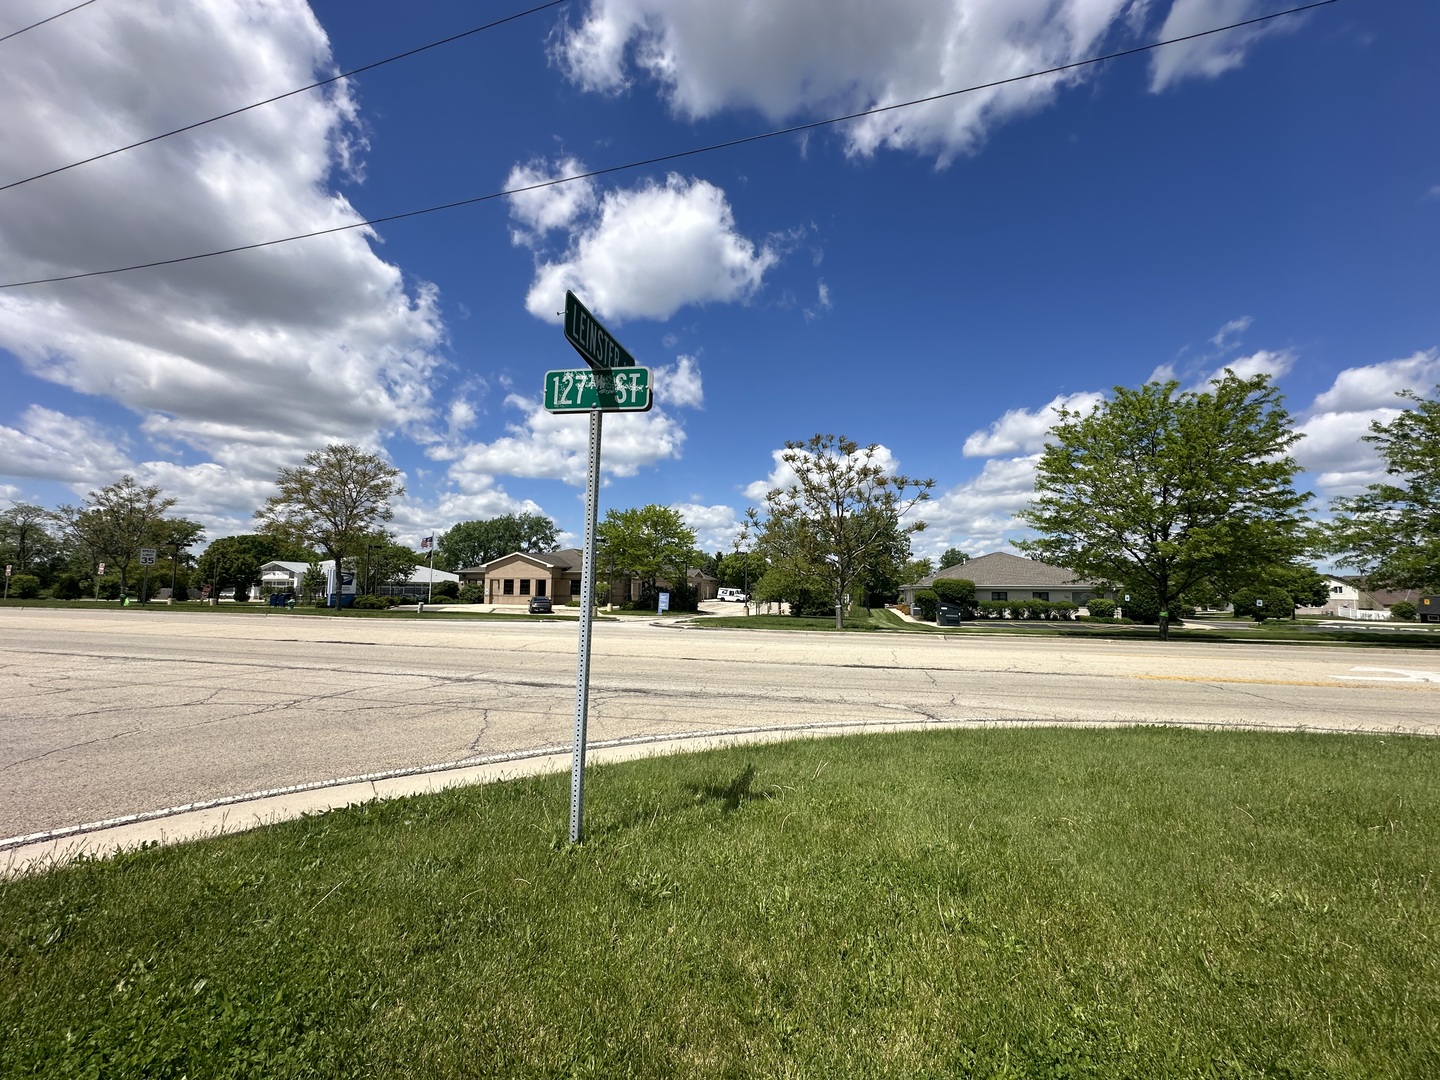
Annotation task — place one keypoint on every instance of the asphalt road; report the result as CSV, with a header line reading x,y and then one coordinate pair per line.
x,y
110,713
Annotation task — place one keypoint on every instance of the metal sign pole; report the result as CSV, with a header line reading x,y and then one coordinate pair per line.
x,y
587,607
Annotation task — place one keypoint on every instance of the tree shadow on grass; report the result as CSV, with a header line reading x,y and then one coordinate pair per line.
x,y
730,795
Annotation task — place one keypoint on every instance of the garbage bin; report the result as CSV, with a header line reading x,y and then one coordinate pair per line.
x,y
947,615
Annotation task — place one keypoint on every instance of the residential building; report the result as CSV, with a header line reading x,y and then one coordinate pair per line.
x,y
1002,576
514,578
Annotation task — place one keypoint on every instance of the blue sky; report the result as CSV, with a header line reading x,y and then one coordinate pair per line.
x,y
933,279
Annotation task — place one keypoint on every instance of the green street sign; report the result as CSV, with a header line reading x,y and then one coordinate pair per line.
x,y
591,340
583,390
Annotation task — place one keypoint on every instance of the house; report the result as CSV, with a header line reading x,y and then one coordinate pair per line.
x,y
1002,576
514,578
1350,600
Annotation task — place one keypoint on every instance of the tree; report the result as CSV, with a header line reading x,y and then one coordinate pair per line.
x,y
176,536
916,570
841,517
115,523
1170,490
332,501
650,543
236,560
1390,532
953,557
24,540
385,562
470,543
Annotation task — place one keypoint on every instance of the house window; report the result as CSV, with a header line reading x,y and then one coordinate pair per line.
x,y
999,596
575,587
1336,590
540,586
525,586
509,587
1039,596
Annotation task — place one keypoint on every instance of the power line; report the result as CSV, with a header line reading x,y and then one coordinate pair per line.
x,y
42,22
677,155
278,97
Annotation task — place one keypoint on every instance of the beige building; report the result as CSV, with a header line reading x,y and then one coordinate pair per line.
x,y
515,578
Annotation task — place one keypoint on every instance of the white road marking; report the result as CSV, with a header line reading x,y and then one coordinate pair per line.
x,y
1394,675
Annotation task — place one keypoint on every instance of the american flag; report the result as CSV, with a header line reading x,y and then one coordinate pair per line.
x,y
426,543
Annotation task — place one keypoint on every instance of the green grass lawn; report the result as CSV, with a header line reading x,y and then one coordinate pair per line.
x,y
1021,903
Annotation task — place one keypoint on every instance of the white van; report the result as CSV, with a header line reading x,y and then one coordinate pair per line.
x,y
737,595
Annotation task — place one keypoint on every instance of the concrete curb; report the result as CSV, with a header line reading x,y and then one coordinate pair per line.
x,y
239,813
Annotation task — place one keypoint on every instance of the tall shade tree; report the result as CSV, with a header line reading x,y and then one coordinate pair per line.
x,y
845,511
650,543
1390,532
953,557
236,560
381,561
24,539
332,501
115,523
1167,491
470,543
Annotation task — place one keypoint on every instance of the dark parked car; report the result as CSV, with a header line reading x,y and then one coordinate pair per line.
x,y
540,605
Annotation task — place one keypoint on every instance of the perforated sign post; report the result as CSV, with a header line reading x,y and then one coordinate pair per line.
x,y
147,560
613,383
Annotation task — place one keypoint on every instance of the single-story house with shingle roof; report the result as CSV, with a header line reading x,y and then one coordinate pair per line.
x,y
514,578
1002,576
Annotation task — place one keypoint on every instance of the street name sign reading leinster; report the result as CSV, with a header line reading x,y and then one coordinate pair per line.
x,y
583,390
591,340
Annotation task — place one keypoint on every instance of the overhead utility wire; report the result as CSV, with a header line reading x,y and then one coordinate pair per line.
x,y
278,97
42,22
729,143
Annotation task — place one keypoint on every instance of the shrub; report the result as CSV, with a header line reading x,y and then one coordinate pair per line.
x,y
1101,607
1403,611
447,590
903,609
1264,602
471,594
1063,610
24,587
993,609
925,600
109,587
370,603
956,591
67,587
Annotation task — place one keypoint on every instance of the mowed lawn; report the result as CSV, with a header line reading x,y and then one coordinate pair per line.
x,y
1024,902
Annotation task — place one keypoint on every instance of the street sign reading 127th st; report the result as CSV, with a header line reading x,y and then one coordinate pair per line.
x,y
591,340
581,390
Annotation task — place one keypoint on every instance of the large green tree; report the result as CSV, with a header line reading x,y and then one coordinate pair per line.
x,y
114,523
953,557
1168,490
1390,532
648,542
236,560
333,501
470,543
843,516
25,540
382,561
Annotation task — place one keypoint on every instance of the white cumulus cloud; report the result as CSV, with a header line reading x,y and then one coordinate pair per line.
x,y
788,59
1215,54
1022,431
644,252
247,358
